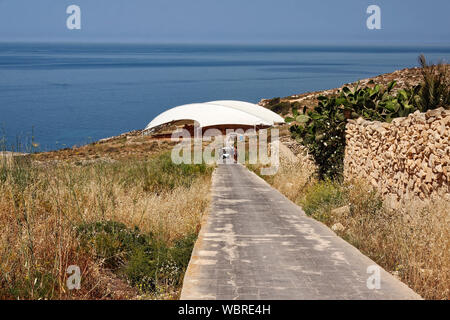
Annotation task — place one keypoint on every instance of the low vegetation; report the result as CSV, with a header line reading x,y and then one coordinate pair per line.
x,y
129,225
412,241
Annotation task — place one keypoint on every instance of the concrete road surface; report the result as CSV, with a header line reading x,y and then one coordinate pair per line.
x,y
256,244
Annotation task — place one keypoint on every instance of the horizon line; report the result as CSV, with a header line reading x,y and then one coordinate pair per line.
x,y
373,43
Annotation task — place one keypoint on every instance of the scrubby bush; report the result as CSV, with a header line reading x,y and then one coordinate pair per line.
x,y
111,241
273,101
320,198
322,131
145,260
282,108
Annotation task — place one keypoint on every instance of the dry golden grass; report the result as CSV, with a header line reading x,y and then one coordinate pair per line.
x,y
42,204
132,145
292,178
295,173
412,241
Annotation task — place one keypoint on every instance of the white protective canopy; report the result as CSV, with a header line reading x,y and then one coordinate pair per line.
x,y
217,113
251,108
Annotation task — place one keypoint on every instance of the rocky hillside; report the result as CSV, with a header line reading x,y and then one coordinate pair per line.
x,y
405,78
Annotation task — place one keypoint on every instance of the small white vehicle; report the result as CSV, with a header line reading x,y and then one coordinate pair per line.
x,y
227,154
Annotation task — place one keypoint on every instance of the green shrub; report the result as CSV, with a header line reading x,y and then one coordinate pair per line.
x,y
322,131
319,199
41,283
144,260
282,108
163,264
378,103
273,102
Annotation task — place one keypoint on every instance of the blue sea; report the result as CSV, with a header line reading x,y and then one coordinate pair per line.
x,y
71,94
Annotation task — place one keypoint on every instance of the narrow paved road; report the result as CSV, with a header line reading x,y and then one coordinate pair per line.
x,y
256,244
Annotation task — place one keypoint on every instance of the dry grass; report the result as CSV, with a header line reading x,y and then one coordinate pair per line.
x,y
296,170
412,242
41,205
132,145
292,177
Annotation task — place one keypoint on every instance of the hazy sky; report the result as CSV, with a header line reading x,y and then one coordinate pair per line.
x,y
245,21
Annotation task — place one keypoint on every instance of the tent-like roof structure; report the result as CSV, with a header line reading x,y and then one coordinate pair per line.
x,y
218,113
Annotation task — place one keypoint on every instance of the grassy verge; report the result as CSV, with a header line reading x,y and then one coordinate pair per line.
x,y
412,242
129,225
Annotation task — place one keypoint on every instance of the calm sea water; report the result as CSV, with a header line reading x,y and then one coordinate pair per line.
x,y
76,93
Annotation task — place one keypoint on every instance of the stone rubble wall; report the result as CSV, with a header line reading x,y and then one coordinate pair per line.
x,y
408,158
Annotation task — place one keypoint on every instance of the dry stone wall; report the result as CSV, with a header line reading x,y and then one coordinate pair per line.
x,y
408,158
